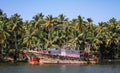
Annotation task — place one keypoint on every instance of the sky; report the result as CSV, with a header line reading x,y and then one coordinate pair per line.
x,y
98,10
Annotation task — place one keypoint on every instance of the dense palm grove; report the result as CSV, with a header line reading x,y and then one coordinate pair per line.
x,y
49,32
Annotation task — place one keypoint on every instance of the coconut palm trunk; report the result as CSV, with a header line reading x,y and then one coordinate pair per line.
x,y
16,48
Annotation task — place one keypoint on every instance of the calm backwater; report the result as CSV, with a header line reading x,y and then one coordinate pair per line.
x,y
58,68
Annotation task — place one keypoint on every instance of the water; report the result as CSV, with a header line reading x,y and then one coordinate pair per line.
x,y
58,68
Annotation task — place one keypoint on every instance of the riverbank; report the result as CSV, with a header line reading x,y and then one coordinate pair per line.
x,y
110,61
58,61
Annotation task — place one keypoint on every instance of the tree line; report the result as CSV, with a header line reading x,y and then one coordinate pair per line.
x,y
53,32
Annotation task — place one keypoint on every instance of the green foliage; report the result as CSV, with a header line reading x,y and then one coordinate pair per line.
x,y
50,32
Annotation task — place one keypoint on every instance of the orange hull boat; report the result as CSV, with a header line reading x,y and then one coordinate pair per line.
x,y
34,61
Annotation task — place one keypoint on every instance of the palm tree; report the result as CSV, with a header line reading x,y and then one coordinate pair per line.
x,y
80,23
38,20
51,34
3,32
15,27
3,37
61,19
30,37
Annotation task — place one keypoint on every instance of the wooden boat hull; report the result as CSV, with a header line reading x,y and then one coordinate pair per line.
x,y
34,61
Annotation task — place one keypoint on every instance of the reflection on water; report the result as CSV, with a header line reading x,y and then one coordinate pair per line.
x,y
58,68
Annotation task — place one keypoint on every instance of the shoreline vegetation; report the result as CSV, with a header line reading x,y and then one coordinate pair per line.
x,y
47,32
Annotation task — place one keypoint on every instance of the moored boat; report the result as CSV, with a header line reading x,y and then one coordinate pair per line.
x,y
34,61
